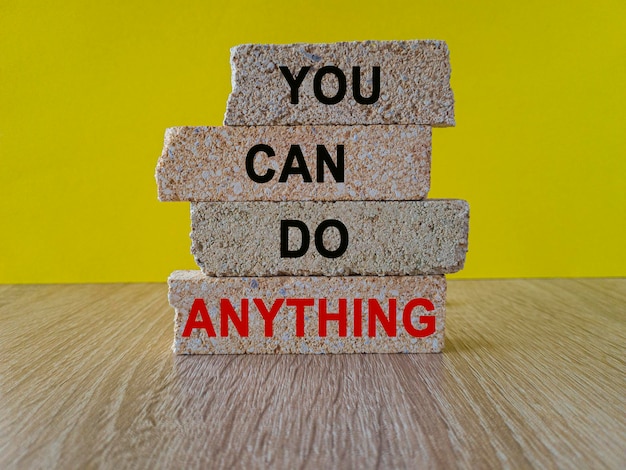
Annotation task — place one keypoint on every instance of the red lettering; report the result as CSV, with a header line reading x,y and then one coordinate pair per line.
x,y
341,317
268,315
428,320
198,306
228,311
376,311
358,317
300,304
375,314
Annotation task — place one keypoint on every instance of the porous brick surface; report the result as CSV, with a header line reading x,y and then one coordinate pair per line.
x,y
414,84
379,162
186,286
384,237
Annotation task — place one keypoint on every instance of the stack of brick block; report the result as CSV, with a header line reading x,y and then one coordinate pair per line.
x,y
309,216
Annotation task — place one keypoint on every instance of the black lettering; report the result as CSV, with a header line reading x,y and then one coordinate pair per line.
x,y
356,85
319,238
285,252
336,169
295,153
317,85
294,82
254,176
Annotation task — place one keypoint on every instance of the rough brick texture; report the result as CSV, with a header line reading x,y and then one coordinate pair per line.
x,y
384,237
414,84
379,162
185,286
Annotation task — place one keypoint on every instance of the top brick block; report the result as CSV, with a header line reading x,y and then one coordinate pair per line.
x,y
345,83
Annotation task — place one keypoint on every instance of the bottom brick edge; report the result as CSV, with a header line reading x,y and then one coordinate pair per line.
x,y
307,315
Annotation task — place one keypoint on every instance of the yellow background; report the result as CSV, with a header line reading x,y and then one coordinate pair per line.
x,y
87,90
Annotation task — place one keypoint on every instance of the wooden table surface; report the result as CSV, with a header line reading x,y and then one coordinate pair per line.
x,y
533,375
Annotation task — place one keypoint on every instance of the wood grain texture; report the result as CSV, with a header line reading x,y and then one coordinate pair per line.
x,y
533,375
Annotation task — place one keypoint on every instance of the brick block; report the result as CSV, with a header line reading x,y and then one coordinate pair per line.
x,y
383,237
211,163
392,314
413,86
